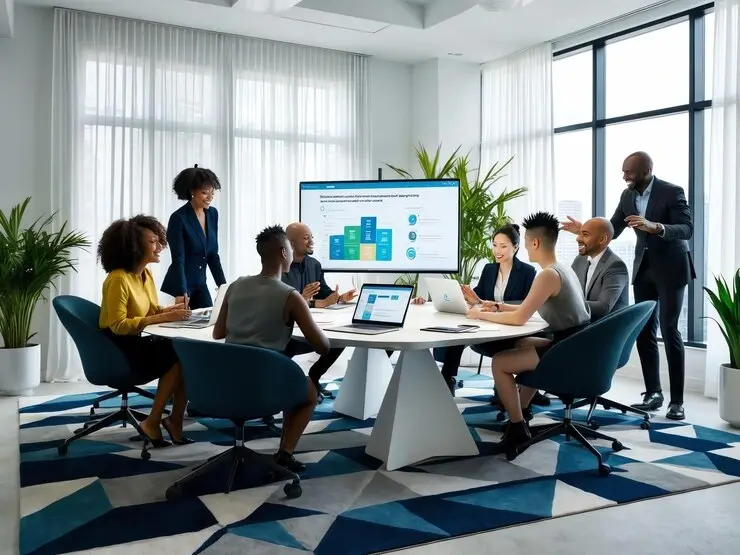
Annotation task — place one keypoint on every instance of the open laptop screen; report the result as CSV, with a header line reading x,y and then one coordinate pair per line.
x,y
383,304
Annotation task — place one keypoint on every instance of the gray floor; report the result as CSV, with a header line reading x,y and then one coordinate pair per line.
x,y
696,522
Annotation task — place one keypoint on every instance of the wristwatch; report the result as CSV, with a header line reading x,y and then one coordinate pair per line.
x,y
661,229
498,306
311,304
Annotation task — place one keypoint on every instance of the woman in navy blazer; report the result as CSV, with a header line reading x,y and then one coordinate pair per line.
x,y
192,235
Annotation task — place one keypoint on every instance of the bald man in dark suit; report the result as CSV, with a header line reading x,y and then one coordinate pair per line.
x,y
658,213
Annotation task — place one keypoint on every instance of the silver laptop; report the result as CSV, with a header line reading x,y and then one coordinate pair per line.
x,y
447,295
202,319
380,308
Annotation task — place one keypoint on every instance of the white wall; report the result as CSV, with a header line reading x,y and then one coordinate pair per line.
x,y
25,113
390,115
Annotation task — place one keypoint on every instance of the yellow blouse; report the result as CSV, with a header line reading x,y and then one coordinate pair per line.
x,y
127,299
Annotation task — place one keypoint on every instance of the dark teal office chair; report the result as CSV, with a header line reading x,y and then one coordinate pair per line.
x,y
239,383
103,364
608,404
582,367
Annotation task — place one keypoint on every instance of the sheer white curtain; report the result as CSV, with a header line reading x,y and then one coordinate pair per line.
x,y
724,174
517,121
135,102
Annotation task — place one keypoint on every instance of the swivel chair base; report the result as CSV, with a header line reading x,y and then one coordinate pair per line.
x,y
238,455
570,429
608,405
123,415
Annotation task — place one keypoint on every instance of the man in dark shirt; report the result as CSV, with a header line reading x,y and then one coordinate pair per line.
x,y
307,277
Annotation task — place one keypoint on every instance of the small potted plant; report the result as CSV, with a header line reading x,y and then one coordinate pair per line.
x,y
32,258
726,303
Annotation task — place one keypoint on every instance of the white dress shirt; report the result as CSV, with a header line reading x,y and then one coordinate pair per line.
x,y
593,261
499,288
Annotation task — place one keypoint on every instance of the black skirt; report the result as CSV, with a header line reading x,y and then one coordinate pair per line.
x,y
150,357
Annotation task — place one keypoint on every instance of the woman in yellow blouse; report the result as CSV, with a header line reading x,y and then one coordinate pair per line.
x,y
129,305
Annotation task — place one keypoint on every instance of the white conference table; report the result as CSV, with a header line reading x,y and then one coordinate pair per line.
x,y
417,418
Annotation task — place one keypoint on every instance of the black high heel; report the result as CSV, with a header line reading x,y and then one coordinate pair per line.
x,y
184,440
156,443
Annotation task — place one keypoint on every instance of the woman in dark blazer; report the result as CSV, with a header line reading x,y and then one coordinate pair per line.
x,y
508,279
192,234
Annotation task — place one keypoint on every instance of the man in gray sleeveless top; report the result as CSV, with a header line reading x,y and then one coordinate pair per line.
x,y
261,311
558,297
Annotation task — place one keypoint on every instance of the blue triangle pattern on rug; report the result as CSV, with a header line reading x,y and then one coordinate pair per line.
x,y
63,516
692,460
103,495
349,536
719,436
395,515
271,532
533,497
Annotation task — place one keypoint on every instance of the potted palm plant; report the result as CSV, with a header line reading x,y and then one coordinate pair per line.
x,y
32,258
726,303
481,210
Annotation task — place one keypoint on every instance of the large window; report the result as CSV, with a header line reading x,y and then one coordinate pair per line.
x,y
645,89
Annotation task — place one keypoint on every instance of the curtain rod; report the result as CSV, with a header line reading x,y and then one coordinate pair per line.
x,y
222,33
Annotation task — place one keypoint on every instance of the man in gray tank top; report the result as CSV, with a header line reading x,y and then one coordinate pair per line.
x,y
557,295
261,311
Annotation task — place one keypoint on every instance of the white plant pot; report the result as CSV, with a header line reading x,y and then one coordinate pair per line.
x,y
20,370
729,395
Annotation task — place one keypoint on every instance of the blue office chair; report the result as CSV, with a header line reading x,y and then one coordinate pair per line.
x,y
608,404
582,366
239,383
103,364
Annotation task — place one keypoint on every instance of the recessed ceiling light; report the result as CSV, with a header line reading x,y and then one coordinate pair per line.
x,y
454,53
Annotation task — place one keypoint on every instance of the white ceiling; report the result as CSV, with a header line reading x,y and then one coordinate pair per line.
x,y
400,30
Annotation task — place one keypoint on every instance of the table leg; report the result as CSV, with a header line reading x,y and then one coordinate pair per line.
x,y
418,418
368,373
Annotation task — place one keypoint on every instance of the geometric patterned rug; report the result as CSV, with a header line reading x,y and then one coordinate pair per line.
x,y
102,498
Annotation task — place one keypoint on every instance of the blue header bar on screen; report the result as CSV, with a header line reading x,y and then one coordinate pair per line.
x,y
410,184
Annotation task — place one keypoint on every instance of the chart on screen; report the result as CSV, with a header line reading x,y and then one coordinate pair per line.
x,y
376,226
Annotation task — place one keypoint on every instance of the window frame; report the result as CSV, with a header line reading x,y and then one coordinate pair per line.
x,y
696,107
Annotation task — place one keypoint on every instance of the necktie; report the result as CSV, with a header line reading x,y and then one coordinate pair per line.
x,y
585,276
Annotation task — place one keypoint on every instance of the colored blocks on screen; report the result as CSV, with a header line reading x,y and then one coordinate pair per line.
x,y
351,252
336,247
367,252
383,253
352,235
385,237
368,225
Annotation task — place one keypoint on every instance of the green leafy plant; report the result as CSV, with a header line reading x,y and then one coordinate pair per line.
x,y
726,303
32,258
481,211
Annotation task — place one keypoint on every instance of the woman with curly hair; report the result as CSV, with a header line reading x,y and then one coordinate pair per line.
x,y
192,233
129,305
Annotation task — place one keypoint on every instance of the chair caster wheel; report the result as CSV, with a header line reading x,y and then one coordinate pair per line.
x,y
173,493
645,425
593,425
500,417
617,446
607,406
145,455
624,411
293,490
62,449
92,411
605,469
459,384
511,455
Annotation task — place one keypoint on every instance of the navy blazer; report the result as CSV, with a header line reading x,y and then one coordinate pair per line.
x,y
192,251
670,256
518,286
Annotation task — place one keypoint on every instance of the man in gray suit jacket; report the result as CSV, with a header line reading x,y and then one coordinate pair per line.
x,y
603,275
